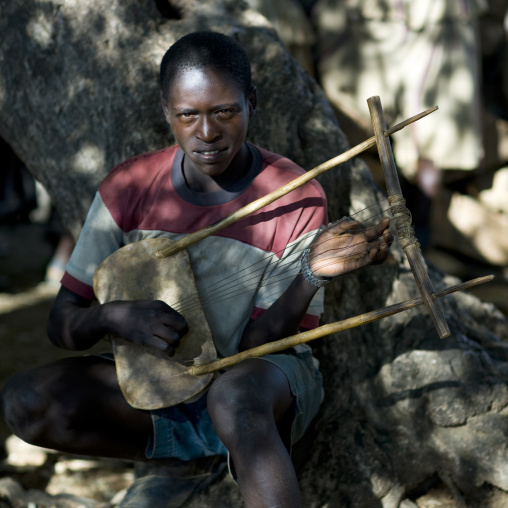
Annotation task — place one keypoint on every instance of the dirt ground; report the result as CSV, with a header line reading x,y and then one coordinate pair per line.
x,y
25,300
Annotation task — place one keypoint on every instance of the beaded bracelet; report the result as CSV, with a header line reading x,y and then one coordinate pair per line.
x,y
308,275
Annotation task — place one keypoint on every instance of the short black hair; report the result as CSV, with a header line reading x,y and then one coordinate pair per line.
x,y
206,49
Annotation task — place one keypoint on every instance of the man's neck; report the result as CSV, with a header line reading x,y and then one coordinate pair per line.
x,y
199,182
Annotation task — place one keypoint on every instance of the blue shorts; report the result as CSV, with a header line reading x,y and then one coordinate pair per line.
x,y
185,431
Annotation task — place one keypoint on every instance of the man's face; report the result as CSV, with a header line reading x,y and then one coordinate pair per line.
x,y
209,116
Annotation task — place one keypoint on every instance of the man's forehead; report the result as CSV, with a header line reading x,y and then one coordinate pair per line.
x,y
204,85
224,105
205,77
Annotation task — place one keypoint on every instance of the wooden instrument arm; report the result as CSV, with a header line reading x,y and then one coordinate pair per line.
x,y
402,219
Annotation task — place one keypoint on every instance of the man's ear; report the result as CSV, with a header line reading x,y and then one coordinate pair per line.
x,y
165,109
253,101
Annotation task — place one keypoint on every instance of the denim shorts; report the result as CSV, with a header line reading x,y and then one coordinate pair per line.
x,y
185,431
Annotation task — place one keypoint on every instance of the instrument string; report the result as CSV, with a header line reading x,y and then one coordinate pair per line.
x,y
273,279
226,290
229,287
235,278
290,273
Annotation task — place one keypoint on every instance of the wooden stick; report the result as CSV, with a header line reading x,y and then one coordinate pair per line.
x,y
405,123
410,245
316,333
282,191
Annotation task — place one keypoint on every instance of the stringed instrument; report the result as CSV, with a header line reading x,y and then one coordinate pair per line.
x,y
142,270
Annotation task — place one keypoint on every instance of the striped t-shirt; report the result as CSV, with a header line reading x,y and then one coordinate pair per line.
x,y
147,197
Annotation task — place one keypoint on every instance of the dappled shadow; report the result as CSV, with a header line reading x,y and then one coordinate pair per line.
x,y
413,61
52,45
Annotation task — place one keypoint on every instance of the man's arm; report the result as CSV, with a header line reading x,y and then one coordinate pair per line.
x,y
77,325
283,318
339,249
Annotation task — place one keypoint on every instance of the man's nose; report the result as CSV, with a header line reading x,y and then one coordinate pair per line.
x,y
208,130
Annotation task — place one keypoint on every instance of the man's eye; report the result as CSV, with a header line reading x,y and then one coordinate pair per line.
x,y
226,112
185,115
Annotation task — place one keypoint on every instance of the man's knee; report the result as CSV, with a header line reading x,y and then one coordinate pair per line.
x,y
23,409
240,410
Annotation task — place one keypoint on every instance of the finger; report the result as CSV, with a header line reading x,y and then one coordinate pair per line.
x,y
169,317
178,324
159,344
168,335
343,225
380,255
378,230
388,237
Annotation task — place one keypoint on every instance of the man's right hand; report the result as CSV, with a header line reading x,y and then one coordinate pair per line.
x,y
75,324
153,324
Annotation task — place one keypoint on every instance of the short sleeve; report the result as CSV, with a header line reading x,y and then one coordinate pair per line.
x,y
99,238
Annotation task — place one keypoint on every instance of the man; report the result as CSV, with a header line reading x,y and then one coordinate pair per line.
x,y
254,410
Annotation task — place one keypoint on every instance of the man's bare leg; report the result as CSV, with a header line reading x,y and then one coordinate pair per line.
x,y
245,405
75,405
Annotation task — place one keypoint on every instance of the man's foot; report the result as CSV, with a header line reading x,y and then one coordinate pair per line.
x,y
169,484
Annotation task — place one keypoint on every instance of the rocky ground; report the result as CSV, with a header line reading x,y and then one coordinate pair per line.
x,y
31,477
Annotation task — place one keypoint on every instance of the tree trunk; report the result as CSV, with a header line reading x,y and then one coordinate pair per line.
x,y
79,94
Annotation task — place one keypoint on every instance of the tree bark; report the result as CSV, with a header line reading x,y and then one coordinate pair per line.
x,y
79,94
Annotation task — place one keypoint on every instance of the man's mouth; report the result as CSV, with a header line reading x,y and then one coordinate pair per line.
x,y
209,151
211,156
